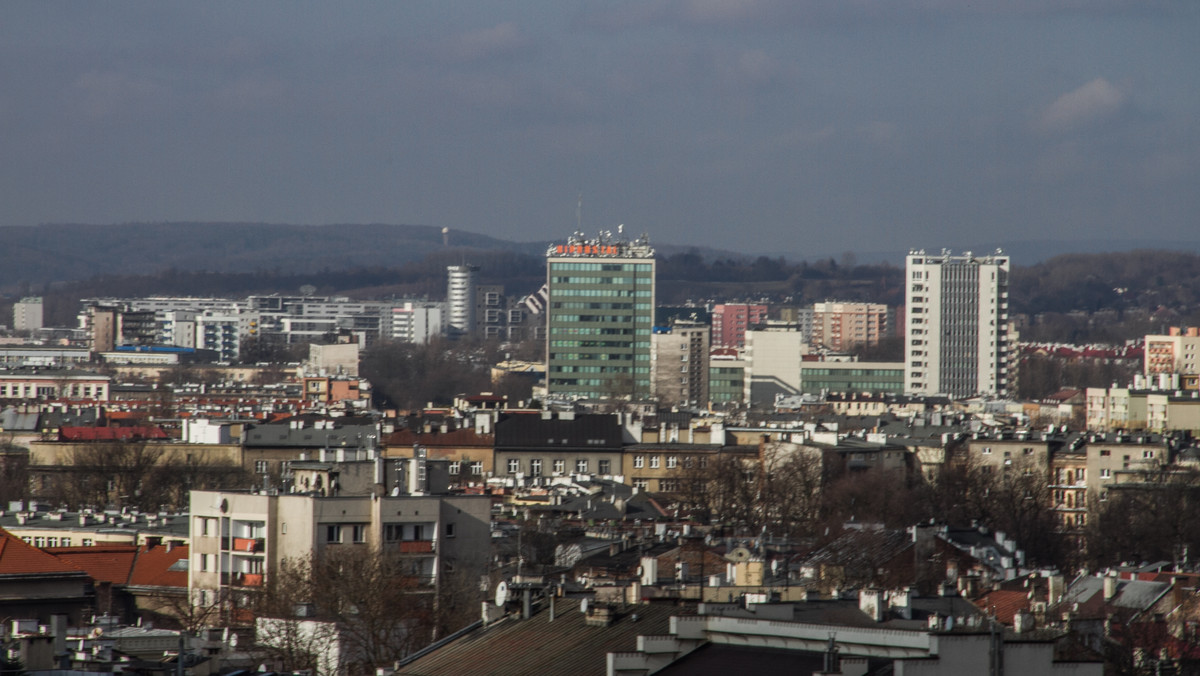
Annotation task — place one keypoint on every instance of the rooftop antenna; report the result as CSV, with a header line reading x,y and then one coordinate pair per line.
x,y
579,213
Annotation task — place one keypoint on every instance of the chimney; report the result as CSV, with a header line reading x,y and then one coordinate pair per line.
x,y
1110,587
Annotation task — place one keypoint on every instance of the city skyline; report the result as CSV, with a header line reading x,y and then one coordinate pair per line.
x,y
751,126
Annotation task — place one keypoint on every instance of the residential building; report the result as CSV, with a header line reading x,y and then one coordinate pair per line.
x,y
418,322
774,353
460,299
839,326
956,337
680,361
730,321
240,538
27,314
1176,352
600,315
490,311
539,447
42,383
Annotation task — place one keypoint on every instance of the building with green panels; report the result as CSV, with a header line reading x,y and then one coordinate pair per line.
x,y
600,313
852,376
727,381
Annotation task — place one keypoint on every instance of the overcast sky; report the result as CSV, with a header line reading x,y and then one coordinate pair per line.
x,y
755,125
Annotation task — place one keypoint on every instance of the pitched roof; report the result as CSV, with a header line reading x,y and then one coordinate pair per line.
x,y
160,566
538,646
18,557
106,563
592,431
144,565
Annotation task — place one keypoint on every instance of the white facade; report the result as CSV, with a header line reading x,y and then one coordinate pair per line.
x,y
773,357
956,329
460,298
417,322
27,314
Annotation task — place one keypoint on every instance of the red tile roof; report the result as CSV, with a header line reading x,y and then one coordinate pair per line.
x,y
1003,603
153,567
106,563
127,564
18,558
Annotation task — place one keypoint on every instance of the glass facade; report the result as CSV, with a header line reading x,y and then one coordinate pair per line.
x,y
600,313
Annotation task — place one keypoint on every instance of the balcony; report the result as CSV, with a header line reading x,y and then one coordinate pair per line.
x,y
416,546
248,544
246,579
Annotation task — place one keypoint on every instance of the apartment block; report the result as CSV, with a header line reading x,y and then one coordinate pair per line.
x,y
841,326
680,361
239,538
730,321
956,335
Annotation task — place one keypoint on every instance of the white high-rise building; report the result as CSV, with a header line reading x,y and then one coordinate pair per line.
x,y
27,314
956,328
460,298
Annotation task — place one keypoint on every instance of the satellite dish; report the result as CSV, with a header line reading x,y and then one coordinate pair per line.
x,y
738,555
502,593
583,606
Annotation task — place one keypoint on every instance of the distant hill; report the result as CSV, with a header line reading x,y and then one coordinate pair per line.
x,y
37,255
1023,252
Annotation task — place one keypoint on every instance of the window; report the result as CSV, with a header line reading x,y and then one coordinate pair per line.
x,y
261,466
641,484
535,467
455,467
477,468
639,461
672,461
88,542
1105,473
66,542
393,532
449,530
202,562
514,465
333,533
358,533
605,467
655,461
987,450
581,466
560,466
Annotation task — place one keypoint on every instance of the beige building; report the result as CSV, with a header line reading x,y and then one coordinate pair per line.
x,y
841,326
679,358
1176,352
1122,458
238,538
774,353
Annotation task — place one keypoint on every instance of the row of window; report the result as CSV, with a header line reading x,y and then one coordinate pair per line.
x,y
602,293
601,267
40,541
559,465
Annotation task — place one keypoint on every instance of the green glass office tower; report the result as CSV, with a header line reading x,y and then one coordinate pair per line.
x,y
601,309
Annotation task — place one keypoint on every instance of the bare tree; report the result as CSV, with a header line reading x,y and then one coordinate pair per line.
x,y
360,599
